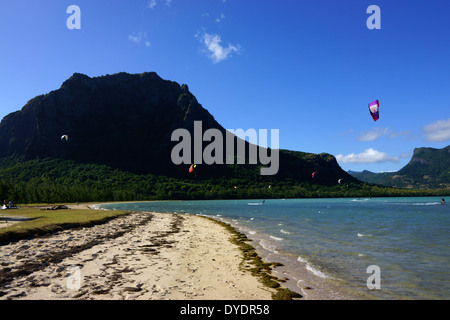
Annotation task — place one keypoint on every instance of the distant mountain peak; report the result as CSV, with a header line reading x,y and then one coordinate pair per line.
x,y
125,121
428,168
76,79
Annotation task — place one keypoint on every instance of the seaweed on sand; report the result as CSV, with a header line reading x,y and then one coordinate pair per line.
x,y
253,263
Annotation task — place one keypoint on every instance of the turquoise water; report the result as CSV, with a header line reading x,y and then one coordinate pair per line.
x,y
407,238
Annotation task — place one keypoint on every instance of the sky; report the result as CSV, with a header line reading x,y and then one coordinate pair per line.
x,y
308,68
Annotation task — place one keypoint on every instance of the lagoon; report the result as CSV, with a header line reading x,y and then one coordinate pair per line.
x,y
338,239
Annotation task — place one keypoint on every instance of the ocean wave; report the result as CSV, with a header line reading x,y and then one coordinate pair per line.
x,y
248,231
412,204
364,235
276,238
268,246
310,268
285,232
315,271
426,203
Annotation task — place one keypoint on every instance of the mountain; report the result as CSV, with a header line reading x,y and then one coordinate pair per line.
x,y
120,120
429,168
125,121
369,176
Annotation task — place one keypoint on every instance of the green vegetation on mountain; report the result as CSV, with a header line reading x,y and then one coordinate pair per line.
x,y
119,148
59,181
429,168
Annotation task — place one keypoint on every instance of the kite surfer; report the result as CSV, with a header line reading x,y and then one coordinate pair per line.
x,y
443,201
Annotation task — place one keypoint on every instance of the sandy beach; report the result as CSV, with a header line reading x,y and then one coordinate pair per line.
x,y
148,256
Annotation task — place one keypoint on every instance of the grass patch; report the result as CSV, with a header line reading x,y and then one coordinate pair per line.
x,y
43,222
253,263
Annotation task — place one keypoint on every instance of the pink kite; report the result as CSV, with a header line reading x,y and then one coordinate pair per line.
x,y
374,110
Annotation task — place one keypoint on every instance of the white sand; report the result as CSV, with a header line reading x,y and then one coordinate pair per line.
x,y
168,257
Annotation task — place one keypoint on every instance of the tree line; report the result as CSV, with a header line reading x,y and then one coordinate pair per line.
x,y
60,181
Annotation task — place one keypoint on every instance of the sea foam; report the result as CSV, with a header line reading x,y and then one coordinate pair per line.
x,y
315,271
276,238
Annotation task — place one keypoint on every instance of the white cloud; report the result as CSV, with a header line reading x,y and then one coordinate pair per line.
x,y
372,134
151,4
438,131
134,38
140,37
220,18
405,134
376,133
369,156
217,52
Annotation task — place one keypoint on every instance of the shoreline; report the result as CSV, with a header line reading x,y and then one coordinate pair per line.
x,y
170,245
299,276
148,256
303,281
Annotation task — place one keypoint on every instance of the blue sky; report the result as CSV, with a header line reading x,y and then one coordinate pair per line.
x,y
306,67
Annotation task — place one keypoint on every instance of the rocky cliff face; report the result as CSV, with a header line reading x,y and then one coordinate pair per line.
x,y
121,120
428,168
126,121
